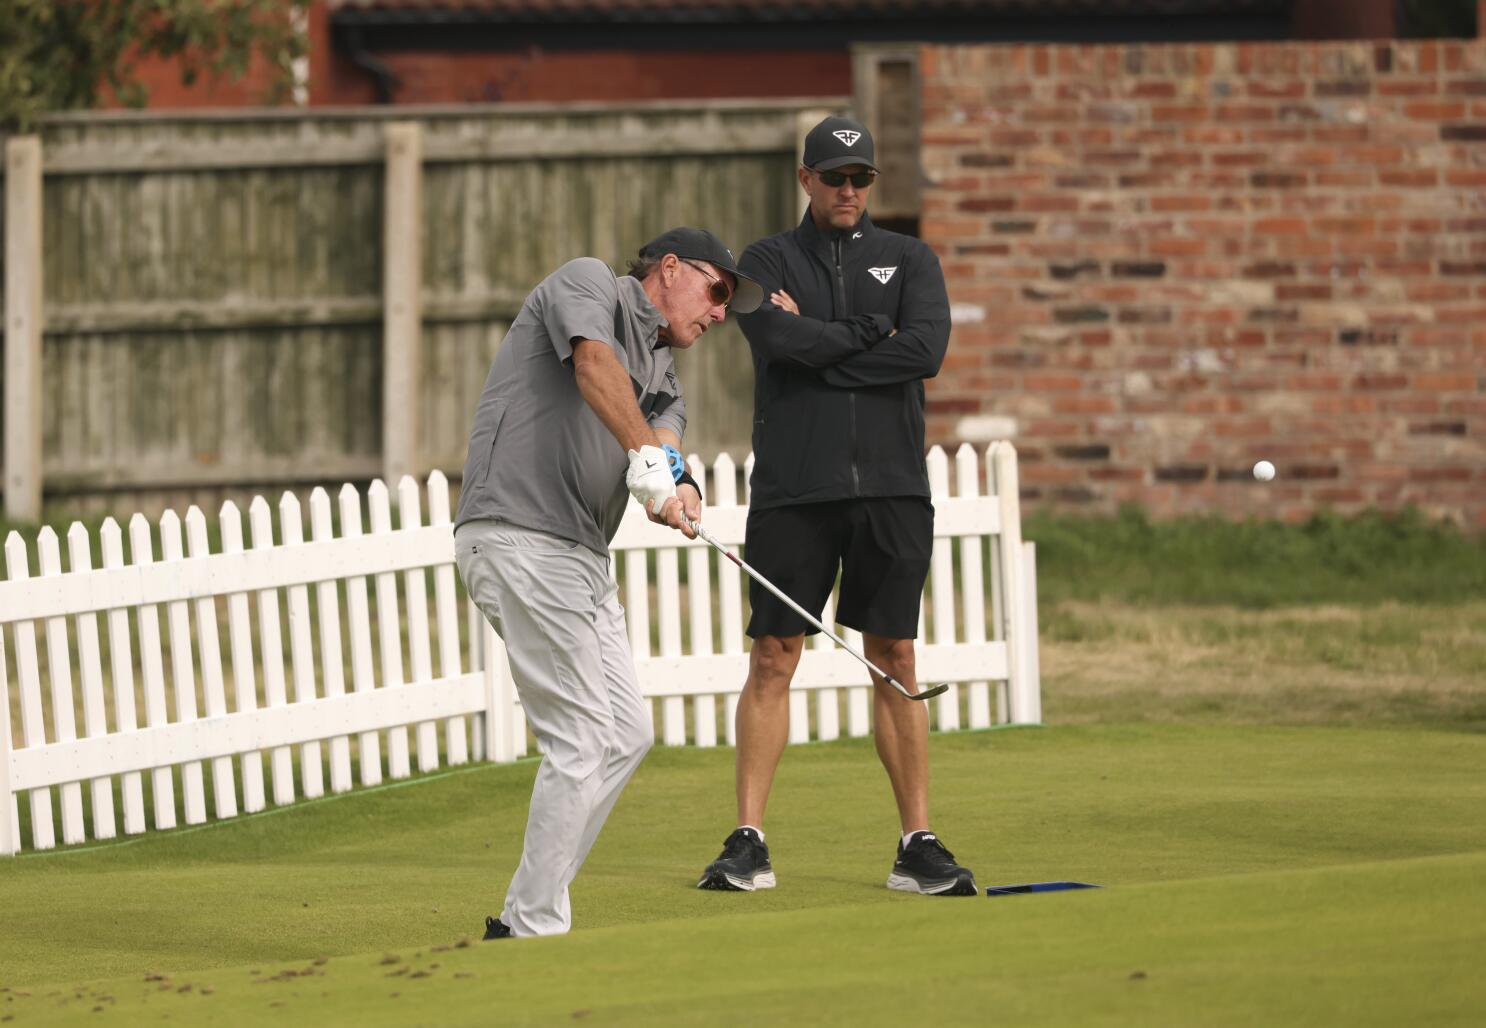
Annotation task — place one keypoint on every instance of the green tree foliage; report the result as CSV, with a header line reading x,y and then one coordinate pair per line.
x,y
58,55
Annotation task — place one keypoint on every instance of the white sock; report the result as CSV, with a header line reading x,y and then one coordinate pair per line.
x,y
908,837
757,831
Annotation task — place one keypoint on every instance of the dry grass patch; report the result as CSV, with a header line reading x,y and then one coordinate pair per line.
x,y
1345,665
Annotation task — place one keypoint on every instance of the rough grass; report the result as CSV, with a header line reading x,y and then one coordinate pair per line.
x,y
1388,663
1328,559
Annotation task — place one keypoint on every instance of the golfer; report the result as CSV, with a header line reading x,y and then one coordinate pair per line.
x,y
858,317
580,402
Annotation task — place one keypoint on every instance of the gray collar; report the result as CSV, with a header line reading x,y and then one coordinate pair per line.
x,y
633,296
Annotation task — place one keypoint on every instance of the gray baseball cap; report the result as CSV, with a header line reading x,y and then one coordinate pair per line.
x,y
701,245
837,142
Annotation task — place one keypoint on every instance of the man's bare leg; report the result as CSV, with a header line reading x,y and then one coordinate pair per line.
x,y
762,727
901,730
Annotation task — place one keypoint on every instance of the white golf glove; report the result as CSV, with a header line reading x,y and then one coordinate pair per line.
x,y
649,477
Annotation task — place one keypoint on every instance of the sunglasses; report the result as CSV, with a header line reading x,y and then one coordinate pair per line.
x,y
717,290
836,179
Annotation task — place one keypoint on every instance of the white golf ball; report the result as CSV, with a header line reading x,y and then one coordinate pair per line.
x,y
1264,471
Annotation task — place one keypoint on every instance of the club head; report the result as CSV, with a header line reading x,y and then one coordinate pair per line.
x,y
931,692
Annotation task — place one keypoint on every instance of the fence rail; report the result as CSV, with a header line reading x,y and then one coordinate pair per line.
x,y
328,638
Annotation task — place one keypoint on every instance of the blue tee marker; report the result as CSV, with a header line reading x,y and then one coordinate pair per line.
x,y
1017,890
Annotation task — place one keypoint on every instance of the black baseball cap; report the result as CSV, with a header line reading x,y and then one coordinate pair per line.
x,y
837,142
701,245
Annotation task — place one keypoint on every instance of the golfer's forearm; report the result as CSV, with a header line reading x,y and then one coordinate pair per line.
x,y
605,387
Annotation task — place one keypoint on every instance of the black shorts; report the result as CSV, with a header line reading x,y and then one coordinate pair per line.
x,y
881,545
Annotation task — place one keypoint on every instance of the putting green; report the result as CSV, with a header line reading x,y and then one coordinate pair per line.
x,y
1253,875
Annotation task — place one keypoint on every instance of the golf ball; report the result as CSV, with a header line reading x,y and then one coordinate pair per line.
x,y
1264,471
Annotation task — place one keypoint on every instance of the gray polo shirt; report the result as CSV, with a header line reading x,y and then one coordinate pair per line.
x,y
539,456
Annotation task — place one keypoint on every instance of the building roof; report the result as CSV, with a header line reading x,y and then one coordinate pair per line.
x,y
780,10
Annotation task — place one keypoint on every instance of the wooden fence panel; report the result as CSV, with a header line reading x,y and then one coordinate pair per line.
x,y
213,283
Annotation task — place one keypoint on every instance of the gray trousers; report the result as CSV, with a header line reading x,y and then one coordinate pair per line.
x,y
553,604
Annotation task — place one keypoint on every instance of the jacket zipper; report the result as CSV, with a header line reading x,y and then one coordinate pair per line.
x,y
851,397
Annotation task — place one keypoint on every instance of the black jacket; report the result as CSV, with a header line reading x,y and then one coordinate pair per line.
x,y
838,403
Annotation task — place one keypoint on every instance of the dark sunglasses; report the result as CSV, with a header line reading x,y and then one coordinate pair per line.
x,y
717,290
836,179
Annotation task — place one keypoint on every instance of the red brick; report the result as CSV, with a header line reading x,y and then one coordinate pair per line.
x,y
1413,179
1045,383
1444,382
1434,111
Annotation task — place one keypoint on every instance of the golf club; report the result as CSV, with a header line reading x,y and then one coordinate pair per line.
x,y
761,580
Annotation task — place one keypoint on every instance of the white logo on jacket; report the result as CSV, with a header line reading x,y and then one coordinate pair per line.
x,y
847,136
882,274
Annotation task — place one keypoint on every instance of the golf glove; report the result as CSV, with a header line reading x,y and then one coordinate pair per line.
x,y
649,477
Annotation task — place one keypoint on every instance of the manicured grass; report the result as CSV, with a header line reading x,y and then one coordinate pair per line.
x,y
1252,875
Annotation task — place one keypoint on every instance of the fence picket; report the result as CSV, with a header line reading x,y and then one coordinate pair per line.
x,y
415,589
332,671
998,592
668,596
244,675
121,674
301,651
1008,493
33,723
972,596
456,749
699,603
942,592
369,744
152,668
209,649
90,667
182,670
859,700
389,628
827,716
729,588
59,676
10,811
271,646
637,604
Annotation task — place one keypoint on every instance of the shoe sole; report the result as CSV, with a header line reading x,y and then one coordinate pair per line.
x,y
961,885
721,881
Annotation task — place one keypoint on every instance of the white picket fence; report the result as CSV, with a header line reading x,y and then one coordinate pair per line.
x,y
360,668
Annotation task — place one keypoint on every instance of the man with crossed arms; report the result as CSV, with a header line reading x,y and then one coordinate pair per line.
x,y
857,318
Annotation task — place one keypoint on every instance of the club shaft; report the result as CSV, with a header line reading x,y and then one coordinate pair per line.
x,y
761,580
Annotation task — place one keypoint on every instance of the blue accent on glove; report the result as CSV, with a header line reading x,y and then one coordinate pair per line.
x,y
675,460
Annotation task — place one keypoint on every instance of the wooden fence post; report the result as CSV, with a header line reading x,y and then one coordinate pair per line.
x,y
402,307
1012,566
22,429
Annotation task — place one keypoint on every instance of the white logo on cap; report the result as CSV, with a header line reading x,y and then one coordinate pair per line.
x,y
847,136
882,274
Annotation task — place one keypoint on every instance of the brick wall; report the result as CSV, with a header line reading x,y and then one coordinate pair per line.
x,y
1168,262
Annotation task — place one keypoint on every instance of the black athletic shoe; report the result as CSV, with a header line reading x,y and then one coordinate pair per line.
x,y
925,866
495,928
742,867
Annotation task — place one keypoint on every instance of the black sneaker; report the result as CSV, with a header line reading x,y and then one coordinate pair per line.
x,y
925,866
742,867
495,928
